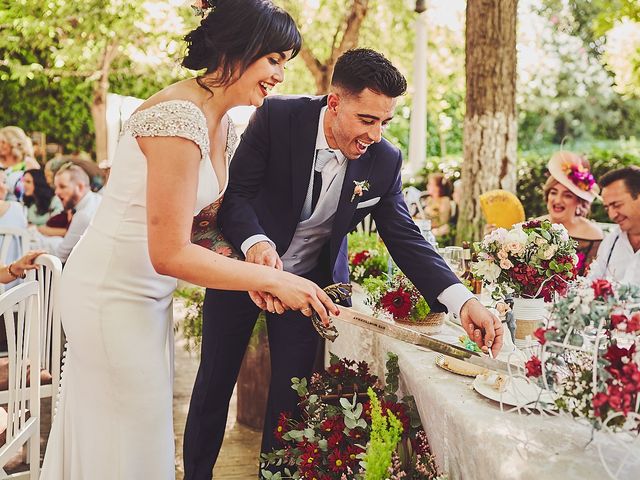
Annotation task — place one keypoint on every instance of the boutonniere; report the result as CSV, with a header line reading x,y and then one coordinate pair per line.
x,y
360,187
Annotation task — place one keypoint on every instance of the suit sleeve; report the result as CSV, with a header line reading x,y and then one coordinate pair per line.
x,y
416,258
237,217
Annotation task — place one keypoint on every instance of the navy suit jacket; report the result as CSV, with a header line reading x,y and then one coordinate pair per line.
x,y
269,178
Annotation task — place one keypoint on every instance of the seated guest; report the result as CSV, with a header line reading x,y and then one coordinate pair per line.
x,y
51,167
39,198
568,193
619,254
9,274
11,215
16,156
18,268
73,189
438,204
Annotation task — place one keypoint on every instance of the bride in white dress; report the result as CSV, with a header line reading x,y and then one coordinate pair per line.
x,y
114,417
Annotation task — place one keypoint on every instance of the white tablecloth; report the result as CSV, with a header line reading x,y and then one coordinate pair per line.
x,y
469,435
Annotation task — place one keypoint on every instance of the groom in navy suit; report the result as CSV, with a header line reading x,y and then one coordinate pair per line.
x,y
307,171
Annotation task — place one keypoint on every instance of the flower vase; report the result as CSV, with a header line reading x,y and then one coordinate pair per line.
x,y
529,314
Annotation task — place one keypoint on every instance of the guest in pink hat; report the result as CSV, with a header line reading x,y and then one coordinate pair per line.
x,y
569,192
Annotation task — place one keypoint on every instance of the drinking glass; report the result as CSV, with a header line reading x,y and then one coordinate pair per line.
x,y
454,256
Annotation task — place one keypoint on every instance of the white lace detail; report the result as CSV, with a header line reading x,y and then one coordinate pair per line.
x,y
232,141
174,118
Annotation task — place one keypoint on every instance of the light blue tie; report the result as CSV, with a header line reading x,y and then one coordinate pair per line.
x,y
323,157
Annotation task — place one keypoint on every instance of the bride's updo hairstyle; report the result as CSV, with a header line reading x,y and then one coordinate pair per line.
x,y
236,33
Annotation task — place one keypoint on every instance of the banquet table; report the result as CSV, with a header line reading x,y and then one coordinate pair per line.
x,y
470,436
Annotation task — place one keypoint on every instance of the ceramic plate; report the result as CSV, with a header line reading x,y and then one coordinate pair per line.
x,y
518,392
458,366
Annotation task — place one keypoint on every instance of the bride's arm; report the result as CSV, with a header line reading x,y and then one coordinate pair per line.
x,y
172,181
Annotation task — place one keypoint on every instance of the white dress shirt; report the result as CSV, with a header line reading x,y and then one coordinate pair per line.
x,y
616,259
84,212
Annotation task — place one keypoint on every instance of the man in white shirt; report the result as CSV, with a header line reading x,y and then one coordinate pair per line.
x,y
73,188
619,253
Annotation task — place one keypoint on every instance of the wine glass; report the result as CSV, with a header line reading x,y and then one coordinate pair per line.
x,y
454,256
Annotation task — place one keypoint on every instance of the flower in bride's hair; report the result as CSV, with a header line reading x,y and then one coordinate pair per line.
x,y
201,6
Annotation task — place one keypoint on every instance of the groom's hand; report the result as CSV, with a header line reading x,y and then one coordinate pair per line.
x,y
482,326
263,253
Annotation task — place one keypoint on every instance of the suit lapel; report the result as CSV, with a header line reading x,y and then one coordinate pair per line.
x,y
304,130
357,170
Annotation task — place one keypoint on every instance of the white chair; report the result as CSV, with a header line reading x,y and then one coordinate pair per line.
x,y
414,198
367,225
48,276
12,236
19,309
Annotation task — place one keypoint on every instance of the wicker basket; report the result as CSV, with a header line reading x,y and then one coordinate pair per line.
x,y
435,319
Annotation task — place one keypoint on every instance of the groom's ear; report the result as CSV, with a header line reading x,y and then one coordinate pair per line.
x,y
333,100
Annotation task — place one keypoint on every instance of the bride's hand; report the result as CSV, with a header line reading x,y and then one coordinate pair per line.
x,y
266,301
301,294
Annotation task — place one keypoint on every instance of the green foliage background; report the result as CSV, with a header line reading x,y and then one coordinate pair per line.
x,y
48,51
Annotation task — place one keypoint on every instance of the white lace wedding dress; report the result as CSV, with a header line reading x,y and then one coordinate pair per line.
x,y
114,416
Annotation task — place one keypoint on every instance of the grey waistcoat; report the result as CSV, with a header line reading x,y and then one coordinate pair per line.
x,y
311,234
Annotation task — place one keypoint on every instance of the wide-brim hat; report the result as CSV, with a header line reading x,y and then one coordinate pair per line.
x,y
570,171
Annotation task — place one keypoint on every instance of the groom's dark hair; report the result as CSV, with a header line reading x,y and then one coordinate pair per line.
x,y
364,68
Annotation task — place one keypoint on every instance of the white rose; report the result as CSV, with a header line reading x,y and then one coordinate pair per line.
x,y
549,252
503,255
498,235
516,235
489,271
558,227
515,247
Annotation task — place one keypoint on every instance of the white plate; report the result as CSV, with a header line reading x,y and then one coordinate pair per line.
x,y
519,392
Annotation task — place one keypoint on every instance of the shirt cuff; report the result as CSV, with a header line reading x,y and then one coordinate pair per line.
x,y
252,240
454,297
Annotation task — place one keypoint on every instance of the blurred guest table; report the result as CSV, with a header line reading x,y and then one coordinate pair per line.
x,y
469,435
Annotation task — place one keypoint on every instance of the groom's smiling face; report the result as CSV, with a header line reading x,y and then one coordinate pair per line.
x,y
355,121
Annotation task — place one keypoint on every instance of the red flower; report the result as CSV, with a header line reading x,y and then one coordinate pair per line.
x,y
335,439
352,454
540,334
338,461
397,302
615,355
532,224
332,424
617,319
534,367
399,411
360,257
337,369
358,433
308,460
633,324
599,400
602,288
281,429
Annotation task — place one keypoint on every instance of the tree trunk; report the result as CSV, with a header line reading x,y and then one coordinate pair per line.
x,y
350,29
490,124
99,104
